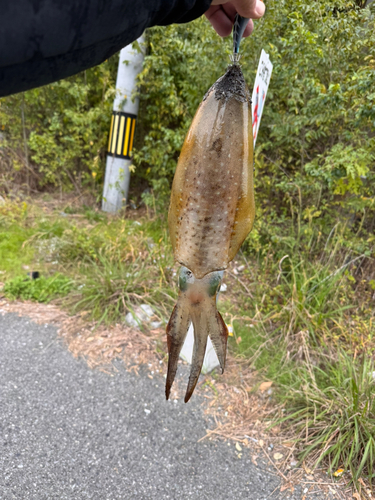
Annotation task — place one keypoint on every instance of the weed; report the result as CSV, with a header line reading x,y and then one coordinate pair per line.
x,y
297,329
13,211
119,265
43,289
302,291
110,288
331,410
13,253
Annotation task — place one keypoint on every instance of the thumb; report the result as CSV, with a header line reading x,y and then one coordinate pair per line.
x,y
252,9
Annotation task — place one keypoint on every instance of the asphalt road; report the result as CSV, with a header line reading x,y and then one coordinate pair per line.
x,y
68,432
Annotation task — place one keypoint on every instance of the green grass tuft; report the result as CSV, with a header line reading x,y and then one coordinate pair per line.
x,y
109,288
43,289
331,410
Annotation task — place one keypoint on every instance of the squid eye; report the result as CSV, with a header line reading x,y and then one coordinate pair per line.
x,y
214,285
182,283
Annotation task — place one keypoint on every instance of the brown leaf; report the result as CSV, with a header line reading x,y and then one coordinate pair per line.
x,y
288,444
264,386
254,459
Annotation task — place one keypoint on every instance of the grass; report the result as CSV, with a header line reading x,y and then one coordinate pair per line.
x,y
331,409
110,288
303,324
111,265
13,254
42,289
13,234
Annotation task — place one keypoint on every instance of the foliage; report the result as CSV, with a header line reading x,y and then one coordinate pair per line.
x,y
65,126
12,211
13,234
318,125
118,266
311,286
110,288
42,289
320,119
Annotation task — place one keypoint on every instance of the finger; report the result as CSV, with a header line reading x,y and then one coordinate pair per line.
x,y
220,21
249,29
230,11
252,9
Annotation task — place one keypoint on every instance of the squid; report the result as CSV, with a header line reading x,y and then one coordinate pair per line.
x,y
211,212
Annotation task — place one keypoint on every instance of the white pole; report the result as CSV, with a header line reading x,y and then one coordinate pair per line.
x,y
125,110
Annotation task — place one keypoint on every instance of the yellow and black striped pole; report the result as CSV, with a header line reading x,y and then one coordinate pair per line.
x,y
121,134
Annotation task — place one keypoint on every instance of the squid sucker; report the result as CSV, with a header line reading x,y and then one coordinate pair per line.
x,y
211,212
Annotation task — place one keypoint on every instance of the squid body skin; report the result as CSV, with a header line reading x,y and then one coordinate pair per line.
x,y
211,212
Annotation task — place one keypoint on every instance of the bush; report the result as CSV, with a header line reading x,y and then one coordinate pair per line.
x,y
316,148
65,125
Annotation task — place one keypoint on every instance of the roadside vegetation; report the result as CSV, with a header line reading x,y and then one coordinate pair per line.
x,y
101,264
301,293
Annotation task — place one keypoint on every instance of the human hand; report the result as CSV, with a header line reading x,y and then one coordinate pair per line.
x,y
221,14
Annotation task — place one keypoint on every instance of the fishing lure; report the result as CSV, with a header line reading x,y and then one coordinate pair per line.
x,y
239,26
211,212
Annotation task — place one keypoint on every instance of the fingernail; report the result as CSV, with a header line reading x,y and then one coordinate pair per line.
x,y
260,8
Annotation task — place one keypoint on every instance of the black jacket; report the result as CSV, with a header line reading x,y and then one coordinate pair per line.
x,y
42,41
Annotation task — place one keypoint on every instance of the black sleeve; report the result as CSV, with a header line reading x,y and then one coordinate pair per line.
x,y
42,41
